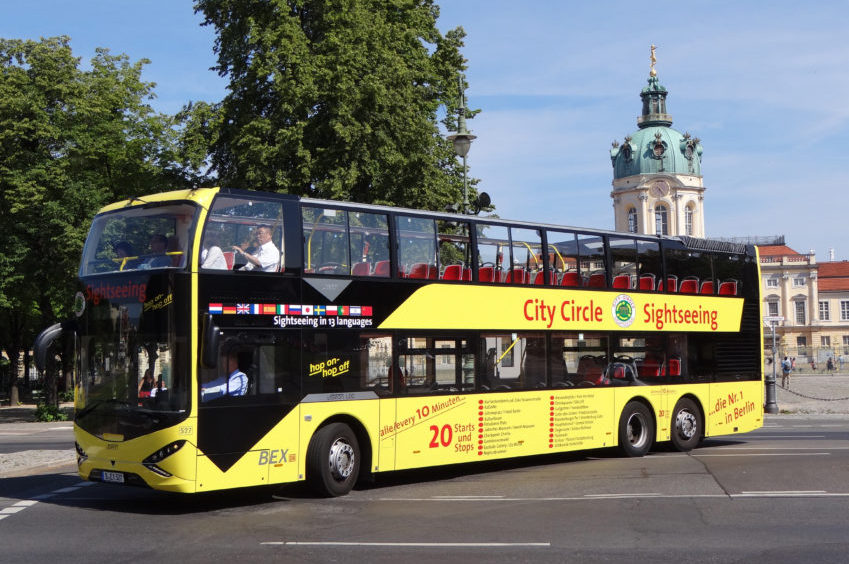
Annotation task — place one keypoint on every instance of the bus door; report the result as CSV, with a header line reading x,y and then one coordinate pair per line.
x,y
434,414
246,428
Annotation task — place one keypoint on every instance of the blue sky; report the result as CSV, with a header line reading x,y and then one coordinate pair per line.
x,y
765,85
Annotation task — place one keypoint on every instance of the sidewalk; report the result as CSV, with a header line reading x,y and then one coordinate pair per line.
x,y
25,413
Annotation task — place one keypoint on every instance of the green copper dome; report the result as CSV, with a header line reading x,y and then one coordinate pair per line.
x,y
655,147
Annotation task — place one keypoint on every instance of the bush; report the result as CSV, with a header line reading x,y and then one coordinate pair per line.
x,y
66,396
44,412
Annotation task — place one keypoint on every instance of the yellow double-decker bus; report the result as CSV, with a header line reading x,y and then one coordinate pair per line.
x,y
228,338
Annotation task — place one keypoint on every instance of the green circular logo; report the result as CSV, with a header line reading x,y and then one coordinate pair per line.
x,y
623,310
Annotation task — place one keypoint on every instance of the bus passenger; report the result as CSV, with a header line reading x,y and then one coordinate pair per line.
x,y
212,257
267,256
158,245
236,384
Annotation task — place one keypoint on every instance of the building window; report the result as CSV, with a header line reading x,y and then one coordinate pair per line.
x,y
772,309
632,220
802,346
661,222
844,310
845,344
825,313
798,281
825,341
800,312
688,221
772,282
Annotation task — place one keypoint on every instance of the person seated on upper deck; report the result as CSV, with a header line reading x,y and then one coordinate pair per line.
x,y
158,246
267,256
123,251
211,256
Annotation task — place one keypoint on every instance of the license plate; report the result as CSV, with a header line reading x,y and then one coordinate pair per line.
x,y
114,477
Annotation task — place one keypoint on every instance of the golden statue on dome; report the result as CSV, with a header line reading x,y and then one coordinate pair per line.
x,y
653,72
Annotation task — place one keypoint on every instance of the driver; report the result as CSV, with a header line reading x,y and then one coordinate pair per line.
x,y
236,384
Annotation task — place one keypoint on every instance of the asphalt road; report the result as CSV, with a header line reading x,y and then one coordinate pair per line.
x,y
780,494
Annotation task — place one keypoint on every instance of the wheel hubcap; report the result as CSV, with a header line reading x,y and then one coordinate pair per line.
x,y
341,459
686,423
636,430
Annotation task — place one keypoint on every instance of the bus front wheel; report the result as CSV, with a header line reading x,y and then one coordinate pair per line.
x,y
636,429
686,425
333,460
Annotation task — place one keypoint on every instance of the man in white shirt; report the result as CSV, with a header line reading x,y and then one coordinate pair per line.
x,y
236,384
266,257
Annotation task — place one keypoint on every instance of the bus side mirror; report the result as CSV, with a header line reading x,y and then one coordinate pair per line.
x,y
42,344
209,345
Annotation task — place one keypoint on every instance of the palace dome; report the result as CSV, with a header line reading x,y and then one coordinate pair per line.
x,y
656,147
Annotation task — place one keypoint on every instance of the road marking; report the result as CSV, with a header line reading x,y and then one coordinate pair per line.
x,y
411,544
776,492
768,454
25,503
468,496
745,447
621,495
765,437
10,510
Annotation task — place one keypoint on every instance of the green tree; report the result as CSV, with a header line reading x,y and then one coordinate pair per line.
x,y
70,141
337,99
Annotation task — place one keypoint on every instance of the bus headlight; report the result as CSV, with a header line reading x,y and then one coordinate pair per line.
x,y
151,461
81,455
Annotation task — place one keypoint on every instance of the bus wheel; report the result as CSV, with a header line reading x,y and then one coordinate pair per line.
x,y
636,429
333,460
686,425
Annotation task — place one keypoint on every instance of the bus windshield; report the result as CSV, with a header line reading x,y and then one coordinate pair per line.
x,y
140,238
132,348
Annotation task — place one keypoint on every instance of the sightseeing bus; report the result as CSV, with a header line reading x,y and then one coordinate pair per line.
x,y
227,338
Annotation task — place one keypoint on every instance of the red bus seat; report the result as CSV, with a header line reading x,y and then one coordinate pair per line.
x,y
647,282
486,274
571,279
674,366
381,268
689,286
419,270
361,269
597,280
728,288
539,278
671,284
453,272
651,367
622,282
516,276
707,287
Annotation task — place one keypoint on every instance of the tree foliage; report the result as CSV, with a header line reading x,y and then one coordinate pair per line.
x,y
70,141
336,99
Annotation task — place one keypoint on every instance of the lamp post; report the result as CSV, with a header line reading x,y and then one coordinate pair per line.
x,y
462,141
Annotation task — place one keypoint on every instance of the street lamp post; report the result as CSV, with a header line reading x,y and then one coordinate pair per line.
x,y
771,406
462,141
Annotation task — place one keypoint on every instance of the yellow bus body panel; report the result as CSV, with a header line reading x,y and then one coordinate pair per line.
x,y
126,456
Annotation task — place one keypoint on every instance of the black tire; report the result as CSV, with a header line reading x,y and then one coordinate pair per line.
x,y
686,425
333,460
636,430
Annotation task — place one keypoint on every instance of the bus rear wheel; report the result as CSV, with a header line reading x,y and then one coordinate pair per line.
x,y
636,430
333,460
686,425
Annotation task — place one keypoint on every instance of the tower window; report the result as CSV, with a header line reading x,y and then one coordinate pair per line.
x,y
632,220
688,221
661,221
